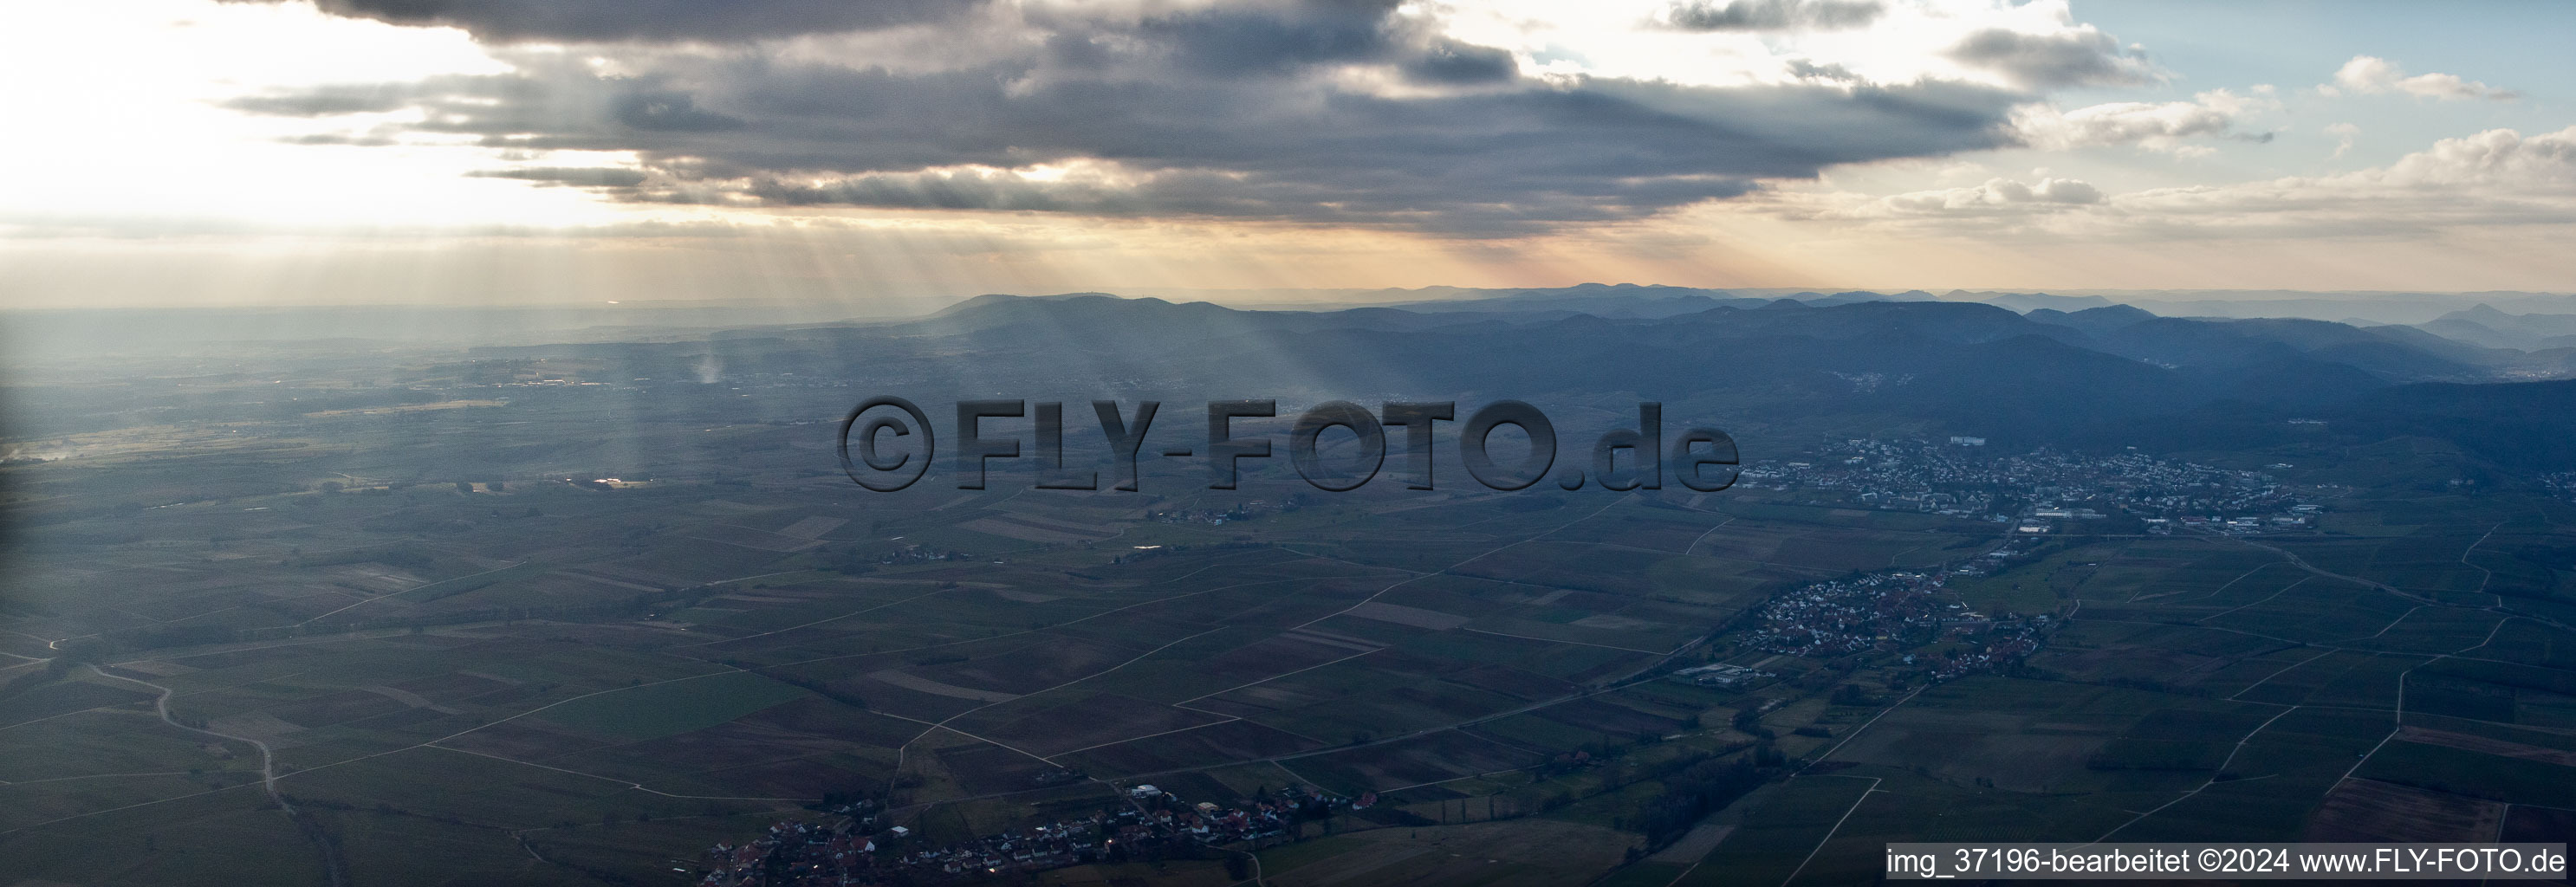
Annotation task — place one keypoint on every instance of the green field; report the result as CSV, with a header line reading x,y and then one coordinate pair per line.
x,y
676,706
560,684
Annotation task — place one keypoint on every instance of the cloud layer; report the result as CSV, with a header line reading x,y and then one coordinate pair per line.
x,y
655,20
2496,178
2159,126
1773,15
1997,197
1343,112
2372,75
2081,56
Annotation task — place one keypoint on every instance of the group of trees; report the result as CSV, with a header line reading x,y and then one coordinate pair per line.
x,y
1695,792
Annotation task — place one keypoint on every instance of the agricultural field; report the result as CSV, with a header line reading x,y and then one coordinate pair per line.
x,y
439,635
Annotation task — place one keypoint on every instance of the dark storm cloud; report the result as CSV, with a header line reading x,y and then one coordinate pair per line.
x,y
323,101
665,111
334,138
1232,113
1774,15
648,20
2043,61
1452,62
1255,40
1808,70
585,176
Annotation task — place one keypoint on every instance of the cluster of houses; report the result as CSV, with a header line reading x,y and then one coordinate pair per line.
x,y
1886,612
1217,518
1849,615
2299,517
792,853
1999,640
1960,479
920,554
1208,516
2562,483
854,851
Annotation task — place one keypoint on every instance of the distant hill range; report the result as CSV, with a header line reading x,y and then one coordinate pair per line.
x,y
2397,317
2358,307
2100,376
2484,325
2383,353
2020,368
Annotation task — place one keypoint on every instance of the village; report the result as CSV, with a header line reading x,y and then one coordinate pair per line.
x,y
853,850
1215,517
2040,489
1897,613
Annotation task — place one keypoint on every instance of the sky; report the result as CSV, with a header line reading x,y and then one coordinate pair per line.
x,y
255,152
